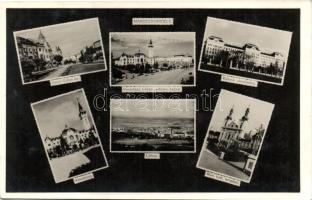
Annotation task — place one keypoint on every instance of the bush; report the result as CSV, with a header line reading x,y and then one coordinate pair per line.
x,y
58,58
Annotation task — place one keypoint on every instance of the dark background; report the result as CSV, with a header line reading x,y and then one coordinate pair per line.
x,y
28,170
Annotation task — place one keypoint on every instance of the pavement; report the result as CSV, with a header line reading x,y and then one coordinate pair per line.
x,y
172,77
210,161
56,73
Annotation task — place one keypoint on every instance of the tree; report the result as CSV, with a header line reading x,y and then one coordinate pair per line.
x,y
28,66
58,58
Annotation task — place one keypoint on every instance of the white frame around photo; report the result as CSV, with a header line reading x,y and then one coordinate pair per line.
x,y
93,123
110,128
238,76
158,85
56,25
209,127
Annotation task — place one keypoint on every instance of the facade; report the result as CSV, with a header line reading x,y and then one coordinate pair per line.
x,y
233,133
140,58
73,138
247,53
36,49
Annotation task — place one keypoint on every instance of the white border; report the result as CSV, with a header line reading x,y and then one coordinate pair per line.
x,y
159,85
42,139
55,25
110,127
305,98
221,73
207,133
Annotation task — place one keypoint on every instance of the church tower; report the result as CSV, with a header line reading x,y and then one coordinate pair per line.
x,y
41,38
83,117
229,117
150,49
245,117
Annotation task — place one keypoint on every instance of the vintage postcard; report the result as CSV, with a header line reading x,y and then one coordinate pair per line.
x,y
235,135
153,125
245,50
69,135
61,50
152,59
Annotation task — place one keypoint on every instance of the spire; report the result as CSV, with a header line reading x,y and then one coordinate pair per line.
x,y
245,117
229,116
81,110
150,44
41,38
79,106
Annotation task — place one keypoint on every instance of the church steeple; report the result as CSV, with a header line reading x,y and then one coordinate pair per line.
x,y
229,116
82,112
83,116
41,38
245,117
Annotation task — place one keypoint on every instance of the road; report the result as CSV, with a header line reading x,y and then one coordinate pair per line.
x,y
210,161
73,69
172,77
56,73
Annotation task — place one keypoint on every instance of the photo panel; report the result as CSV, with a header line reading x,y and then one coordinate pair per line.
x,y
235,136
245,50
61,50
70,138
153,125
152,59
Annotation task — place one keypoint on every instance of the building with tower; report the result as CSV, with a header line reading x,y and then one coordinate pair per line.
x,y
36,48
140,58
76,135
234,133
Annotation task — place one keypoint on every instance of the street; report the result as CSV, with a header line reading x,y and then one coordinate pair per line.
x,y
172,77
210,161
73,69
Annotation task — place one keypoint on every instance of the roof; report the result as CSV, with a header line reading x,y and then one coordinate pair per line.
x,y
139,54
212,37
251,45
21,40
233,46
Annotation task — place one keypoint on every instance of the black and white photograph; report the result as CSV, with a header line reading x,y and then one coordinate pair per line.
x,y
235,135
245,50
153,125
69,135
61,50
152,58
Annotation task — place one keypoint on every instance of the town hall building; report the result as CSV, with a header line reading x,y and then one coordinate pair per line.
x,y
140,58
79,135
36,49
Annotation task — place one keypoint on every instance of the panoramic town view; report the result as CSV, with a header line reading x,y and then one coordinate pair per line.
x,y
153,58
245,50
69,136
163,129
50,52
235,135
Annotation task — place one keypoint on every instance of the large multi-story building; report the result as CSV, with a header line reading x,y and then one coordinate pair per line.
x,y
140,58
74,136
33,49
213,46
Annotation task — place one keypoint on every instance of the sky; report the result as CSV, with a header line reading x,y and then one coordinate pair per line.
x,y
267,39
53,114
153,108
260,111
165,43
70,37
